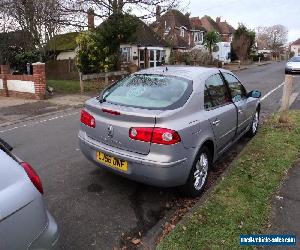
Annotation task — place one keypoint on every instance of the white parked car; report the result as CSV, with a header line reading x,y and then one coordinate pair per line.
x,y
293,65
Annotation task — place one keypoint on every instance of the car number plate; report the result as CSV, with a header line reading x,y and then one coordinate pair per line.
x,y
112,162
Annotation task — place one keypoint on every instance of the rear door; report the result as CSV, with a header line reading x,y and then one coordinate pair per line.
x,y
221,111
239,97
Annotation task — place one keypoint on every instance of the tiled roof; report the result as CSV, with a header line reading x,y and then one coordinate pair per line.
x,y
63,42
225,28
173,18
196,24
145,36
209,24
297,42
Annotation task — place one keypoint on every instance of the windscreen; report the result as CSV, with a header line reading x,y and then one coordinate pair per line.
x,y
295,59
149,91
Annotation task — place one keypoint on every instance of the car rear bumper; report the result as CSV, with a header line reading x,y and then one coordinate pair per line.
x,y
161,174
49,237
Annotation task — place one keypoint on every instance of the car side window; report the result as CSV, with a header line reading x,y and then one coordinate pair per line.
x,y
215,92
237,90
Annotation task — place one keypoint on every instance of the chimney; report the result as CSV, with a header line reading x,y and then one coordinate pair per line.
x,y
91,19
218,19
158,11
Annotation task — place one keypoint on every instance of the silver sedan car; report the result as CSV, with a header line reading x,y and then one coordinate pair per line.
x,y
293,65
25,223
167,126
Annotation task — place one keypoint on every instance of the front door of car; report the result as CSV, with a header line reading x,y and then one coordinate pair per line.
x,y
220,110
240,99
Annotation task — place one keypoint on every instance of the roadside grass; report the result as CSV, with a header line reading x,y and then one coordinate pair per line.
x,y
73,86
241,202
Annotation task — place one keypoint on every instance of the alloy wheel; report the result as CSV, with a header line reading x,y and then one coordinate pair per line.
x,y
201,171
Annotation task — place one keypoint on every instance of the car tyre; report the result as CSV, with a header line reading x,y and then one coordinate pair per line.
x,y
199,173
254,125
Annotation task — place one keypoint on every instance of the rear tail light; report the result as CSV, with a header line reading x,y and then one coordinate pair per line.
x,y
87,119
33,176
155,135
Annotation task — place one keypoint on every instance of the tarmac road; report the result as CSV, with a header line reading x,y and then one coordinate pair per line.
x,y
92,207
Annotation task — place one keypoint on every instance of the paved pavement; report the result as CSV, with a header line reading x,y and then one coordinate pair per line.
x,y
96,209
17,109
285,216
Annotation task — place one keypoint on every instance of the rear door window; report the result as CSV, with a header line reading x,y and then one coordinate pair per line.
x,y
150,92
215,92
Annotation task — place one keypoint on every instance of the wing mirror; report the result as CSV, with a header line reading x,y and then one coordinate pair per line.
x,y
254,94
5,145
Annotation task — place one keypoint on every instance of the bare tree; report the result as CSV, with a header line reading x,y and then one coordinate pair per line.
x,y
145,9
39,18
273,37
6,22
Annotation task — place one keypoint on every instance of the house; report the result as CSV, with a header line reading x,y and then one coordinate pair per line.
x,y
295,47
224,29
147,49
177,29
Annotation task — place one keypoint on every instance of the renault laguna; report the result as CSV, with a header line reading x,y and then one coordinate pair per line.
x,y
166,126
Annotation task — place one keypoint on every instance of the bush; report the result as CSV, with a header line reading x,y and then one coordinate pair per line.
x,y
21,59
195,57
99,50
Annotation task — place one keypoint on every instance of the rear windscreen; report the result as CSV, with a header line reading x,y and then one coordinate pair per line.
x,y
150,91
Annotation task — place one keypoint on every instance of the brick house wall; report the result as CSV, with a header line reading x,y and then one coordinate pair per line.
x,y
177,29
25,86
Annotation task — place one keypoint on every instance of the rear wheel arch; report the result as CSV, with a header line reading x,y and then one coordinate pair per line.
x,y
198,174
209,144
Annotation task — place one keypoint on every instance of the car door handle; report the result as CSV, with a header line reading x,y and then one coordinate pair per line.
x,y
240,111
216,122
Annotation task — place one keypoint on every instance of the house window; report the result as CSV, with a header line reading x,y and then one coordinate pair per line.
x,y
198,37
167,31
126,54
182,31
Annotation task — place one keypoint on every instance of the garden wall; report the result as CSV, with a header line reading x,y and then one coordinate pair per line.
x,y
26,86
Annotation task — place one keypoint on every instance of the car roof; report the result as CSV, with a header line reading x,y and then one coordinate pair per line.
x,y
188,72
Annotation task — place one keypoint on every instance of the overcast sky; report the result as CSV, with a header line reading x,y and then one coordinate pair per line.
x,y
252,13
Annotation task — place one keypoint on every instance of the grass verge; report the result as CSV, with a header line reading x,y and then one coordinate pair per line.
x,y
241,202
73,86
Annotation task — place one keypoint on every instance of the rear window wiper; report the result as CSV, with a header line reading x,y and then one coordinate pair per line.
x,y
102,99
5,145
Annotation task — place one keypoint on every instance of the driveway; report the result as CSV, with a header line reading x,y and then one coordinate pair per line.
x,y
96,209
